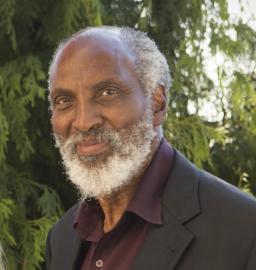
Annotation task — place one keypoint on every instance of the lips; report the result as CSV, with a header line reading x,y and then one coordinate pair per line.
x,y
91,148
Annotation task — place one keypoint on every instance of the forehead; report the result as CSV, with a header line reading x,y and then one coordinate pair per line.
x,y
93,52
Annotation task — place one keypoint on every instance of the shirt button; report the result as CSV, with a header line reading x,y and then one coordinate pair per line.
x,y
99,263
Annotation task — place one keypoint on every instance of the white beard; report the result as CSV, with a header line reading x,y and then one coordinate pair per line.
x,y
94,177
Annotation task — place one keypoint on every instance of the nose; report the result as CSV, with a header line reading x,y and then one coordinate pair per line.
x,y
87,117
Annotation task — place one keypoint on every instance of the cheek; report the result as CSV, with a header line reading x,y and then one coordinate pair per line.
x,y
129,113
60,125
138,107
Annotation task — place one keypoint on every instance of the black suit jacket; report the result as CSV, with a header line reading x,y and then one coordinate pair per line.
x,y
208,225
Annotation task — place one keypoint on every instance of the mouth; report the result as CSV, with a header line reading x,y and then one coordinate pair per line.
x,y
91,148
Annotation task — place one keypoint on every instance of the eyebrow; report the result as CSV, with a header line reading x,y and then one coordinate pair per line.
x,y
107,82
59,91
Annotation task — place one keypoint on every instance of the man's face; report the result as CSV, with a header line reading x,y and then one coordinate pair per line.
x,y
101,117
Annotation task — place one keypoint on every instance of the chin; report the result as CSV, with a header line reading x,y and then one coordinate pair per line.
x,y
103,174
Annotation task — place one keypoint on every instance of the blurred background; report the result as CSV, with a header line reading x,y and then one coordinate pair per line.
x,y
211,49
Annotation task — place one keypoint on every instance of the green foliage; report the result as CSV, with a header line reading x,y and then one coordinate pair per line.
x,y
3,135
193,137
27,213
30,178
6,209
19,88
7,13
242,134
32,240
244,183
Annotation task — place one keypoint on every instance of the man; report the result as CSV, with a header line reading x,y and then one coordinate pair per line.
x,y
143,205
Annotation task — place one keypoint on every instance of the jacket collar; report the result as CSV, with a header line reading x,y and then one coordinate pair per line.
x,y
166,243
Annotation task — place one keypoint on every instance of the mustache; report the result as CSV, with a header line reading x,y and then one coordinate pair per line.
x,y
101,135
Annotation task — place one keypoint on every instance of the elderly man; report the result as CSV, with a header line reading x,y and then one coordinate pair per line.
x,y
143,205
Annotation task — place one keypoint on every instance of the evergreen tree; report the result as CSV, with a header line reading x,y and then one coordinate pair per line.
x,y
31,181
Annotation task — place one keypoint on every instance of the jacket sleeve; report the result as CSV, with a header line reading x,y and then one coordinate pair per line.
x,y
251,265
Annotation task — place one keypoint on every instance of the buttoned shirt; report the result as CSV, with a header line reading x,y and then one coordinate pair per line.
x,y
117,249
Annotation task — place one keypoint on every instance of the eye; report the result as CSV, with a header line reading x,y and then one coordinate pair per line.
x,y
109,92
62,102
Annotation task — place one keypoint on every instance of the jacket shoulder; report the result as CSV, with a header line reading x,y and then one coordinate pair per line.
x,y
191,191
211,190
216,194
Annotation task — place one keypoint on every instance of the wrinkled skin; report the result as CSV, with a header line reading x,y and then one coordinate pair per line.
x,y
93,85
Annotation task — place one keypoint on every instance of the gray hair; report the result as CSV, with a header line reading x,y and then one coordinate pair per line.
x,y
151,65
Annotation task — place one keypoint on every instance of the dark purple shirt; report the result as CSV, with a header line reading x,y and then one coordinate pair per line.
x,y
118,248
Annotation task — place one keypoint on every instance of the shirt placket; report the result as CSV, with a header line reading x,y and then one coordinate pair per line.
x,y
98,259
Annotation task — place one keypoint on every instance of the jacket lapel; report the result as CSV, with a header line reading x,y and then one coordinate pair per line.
x,y
69,245
165,244
70,261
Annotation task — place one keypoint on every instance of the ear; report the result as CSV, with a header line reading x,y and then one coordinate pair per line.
x,y
159,106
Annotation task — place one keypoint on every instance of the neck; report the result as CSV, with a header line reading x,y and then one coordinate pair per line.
x,y
115,204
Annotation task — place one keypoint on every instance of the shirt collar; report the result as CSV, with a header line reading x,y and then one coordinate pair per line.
x,y
147,200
